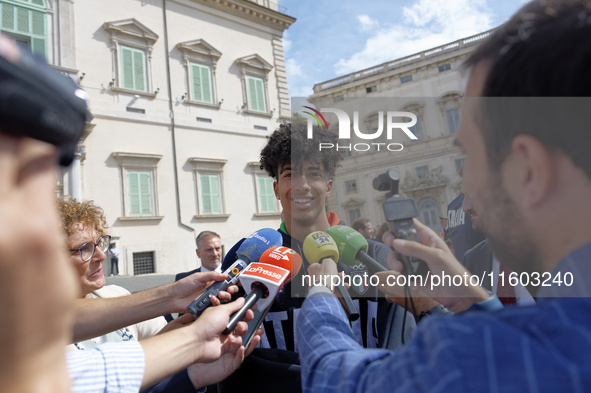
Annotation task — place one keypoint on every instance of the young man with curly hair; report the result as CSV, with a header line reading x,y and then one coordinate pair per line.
x,y
303,180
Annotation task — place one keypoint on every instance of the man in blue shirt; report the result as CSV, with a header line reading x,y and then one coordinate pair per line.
x,y
530,181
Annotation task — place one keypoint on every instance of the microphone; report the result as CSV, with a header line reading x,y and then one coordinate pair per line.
x,y
250,250
353,248
263,280
319,246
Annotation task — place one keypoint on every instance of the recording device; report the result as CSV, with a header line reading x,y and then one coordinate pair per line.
x,y
250,250
263,280
319,246
399,212
39,102
353,248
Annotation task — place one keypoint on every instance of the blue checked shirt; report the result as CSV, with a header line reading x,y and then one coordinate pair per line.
x,y
108,368
541,348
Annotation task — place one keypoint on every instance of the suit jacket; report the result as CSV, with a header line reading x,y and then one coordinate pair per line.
x,y
180,276
479,260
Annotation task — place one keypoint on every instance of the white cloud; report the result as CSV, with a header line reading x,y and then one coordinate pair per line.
x,y
367,24
293,68
286,42
426,24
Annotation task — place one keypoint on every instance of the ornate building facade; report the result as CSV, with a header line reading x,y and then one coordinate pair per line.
x,y
182,95
429,85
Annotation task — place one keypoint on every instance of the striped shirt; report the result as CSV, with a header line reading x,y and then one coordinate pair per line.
x,y
108,368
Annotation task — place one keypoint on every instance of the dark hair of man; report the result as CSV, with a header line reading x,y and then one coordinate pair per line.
x,y
542,51
290,145
204,235
359,223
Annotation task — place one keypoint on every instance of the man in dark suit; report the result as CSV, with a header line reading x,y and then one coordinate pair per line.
x,y
209,251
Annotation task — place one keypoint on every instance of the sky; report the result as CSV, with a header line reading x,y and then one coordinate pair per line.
x,y
332,38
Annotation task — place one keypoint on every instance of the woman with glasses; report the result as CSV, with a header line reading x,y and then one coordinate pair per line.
x,y
85,225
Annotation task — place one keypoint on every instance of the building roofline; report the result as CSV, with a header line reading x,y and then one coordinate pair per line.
x,y
402,62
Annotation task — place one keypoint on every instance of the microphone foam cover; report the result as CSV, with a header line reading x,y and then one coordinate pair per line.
x,y
319,245
256,244
349,243
283,257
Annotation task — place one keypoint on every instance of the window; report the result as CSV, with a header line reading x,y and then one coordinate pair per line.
x,y
406,78
353,214
256,94
422,171
143,263
449,104
140,193
267,203
351,186
459,164
200,60
444,67
133,69
453,119
255,72
338,98
138,185
374,123
416,129
267,200
429,213
210,194
201,83
131,48
26,22
209,186
371,89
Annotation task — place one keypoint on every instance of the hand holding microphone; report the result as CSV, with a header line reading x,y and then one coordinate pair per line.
x,y
250,250
319,247
263,280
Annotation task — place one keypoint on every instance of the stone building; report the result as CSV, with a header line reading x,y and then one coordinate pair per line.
x,y
182,94
428,84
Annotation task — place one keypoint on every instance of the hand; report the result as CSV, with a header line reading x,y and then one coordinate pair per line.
x,y
184,291
209,327
433,250
203,374
182,321
32,258
325,273
421,302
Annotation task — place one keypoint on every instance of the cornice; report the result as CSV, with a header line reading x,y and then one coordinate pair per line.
x,y
253,12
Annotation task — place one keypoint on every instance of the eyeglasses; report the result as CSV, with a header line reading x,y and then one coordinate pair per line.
x,y
87,249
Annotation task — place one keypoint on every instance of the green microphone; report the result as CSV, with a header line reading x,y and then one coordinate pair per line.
x,y
319,246
353,248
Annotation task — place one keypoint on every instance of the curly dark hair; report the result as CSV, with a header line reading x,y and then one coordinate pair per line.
x,y
290,145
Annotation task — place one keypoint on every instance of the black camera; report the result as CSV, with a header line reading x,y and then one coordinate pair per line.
x,y
399,212
39,102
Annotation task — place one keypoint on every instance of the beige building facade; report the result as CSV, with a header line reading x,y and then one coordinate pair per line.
x,y
182,95
428,84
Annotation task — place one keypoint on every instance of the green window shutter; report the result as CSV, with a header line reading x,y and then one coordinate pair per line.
x,y
145,194
7,17
139,70
26,22
197,85
256,94
134,193
140,194
266,195
210,194
133,69
201,79
22,21
127,67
